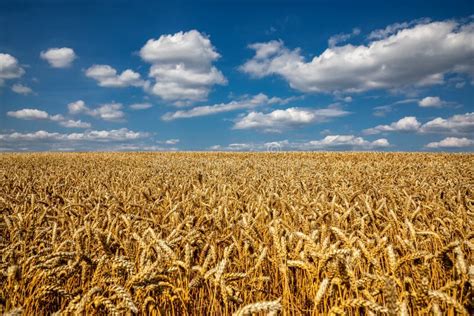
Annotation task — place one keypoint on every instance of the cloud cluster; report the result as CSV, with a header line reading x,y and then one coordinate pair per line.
x,y
458,124
93,135
59,57
107,76
104,140
330,142
106,112
244,103
452,142
182,66
434,49
279,120
35,114
9,68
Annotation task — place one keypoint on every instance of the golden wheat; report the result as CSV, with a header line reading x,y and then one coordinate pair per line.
x,y
236,233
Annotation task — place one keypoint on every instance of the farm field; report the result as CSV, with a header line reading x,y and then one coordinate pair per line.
x,y
237,233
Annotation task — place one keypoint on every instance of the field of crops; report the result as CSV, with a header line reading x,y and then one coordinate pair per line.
x,y
225,233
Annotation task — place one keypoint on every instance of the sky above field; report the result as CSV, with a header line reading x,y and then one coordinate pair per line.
x,y
237,75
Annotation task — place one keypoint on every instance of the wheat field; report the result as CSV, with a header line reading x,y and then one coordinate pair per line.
x,y
237,233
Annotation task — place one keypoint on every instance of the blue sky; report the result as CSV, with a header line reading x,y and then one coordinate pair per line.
x,y
238,75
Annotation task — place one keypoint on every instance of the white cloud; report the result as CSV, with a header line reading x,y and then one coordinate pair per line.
x,y
330,142
9,68
108,112
140,147
39,135
279,120
173,141
347,99
182,66
75,124
342,37
35,114
59,57
335,141
406,124
434,49
244,103
460,85
107,76
382,110
111,135
390,30
140,106
93,135
77,107
29,114
266,50
435,102
457,124
452,142
21,89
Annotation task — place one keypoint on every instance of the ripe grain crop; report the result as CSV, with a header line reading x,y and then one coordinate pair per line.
x,y
237,233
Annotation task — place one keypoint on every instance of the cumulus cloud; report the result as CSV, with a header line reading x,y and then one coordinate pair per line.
x,y
434,49
29,114
330,142
35,114
107,76
108,112
435,102
452,142
9,68
182,66
457,124
77,107
279,120
140,106
59,57
406,124
244,103
21,89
